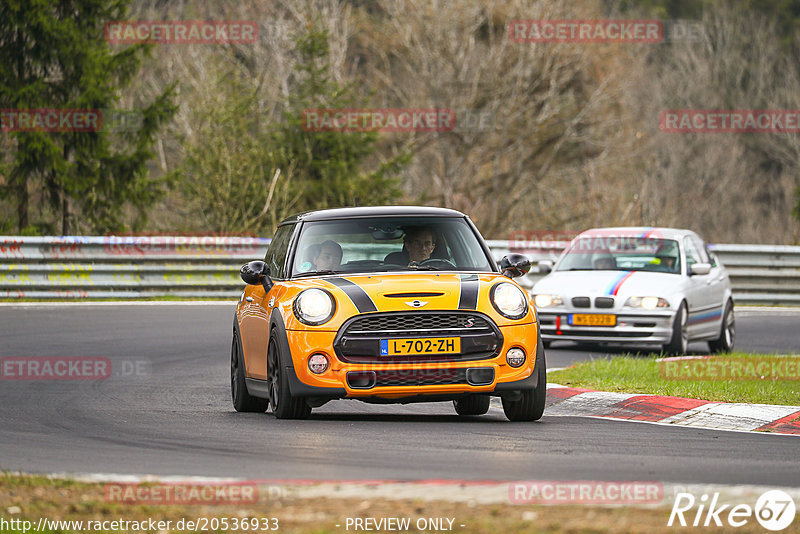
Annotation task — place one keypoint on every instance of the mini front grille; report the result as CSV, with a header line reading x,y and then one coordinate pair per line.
x,y
359,339
410,322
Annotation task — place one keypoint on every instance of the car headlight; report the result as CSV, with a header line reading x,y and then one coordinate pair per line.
x,y
509,301
314,306
648,303
544,300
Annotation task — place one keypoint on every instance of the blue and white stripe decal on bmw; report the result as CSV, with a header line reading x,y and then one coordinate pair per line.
x,y
359,297
705,317
468,300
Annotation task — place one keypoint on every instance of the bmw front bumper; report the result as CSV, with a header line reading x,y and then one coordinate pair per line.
x,y
632,326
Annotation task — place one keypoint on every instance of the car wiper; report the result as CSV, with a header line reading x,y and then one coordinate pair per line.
x,y
423,268
315,273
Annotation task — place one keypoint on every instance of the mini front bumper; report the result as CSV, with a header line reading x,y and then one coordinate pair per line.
x,y
635,327
395,381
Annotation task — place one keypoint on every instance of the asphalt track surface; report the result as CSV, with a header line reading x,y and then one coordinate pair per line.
x,y
173,416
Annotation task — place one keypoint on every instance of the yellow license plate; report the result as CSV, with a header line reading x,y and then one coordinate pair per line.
x,y
592,319
417,346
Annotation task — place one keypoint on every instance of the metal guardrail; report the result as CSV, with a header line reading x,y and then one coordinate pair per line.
x,y
208,267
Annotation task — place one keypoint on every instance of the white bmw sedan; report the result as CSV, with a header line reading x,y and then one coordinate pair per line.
x,y
637,286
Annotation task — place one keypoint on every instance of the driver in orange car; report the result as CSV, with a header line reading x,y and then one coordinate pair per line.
x,y
329,257
420,243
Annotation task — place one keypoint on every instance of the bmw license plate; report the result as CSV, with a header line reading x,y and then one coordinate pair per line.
x,y
592,319
417,346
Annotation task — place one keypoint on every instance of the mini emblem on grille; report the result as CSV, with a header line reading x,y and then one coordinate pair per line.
x,y
469,323
416,303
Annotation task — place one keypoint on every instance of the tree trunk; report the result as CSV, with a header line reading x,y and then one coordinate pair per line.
x,y
22,204
64,213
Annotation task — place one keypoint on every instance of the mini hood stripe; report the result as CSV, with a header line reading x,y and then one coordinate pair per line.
x,y
355,293
468,300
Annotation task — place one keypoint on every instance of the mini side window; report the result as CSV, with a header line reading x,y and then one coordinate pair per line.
x,y
278,248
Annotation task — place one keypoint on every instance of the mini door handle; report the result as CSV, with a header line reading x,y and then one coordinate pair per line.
x,y
249,299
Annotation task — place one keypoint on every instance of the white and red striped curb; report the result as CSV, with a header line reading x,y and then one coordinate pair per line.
x,y
673,410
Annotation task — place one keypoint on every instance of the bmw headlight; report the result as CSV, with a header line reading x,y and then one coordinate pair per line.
x,y
544,300
314,306
647,303
509,301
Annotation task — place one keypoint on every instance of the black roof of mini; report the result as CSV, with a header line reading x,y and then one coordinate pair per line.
x,y
372,211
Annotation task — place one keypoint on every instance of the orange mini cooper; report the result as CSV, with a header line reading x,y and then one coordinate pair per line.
x,y
385,305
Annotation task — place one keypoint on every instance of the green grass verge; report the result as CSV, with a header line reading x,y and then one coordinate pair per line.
x,y
641,374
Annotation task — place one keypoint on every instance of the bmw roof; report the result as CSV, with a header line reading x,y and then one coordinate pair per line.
x,y
643,231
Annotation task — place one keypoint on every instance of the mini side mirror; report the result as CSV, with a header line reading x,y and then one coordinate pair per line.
x,y
700,268
256,272
545,267
515,265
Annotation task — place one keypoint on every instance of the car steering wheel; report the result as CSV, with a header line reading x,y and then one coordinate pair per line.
x,y
448,263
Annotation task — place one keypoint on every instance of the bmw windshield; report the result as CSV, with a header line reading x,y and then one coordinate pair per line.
x,y
385,244
621,253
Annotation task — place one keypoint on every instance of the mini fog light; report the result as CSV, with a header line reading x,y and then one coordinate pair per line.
x,y
515,357
318,363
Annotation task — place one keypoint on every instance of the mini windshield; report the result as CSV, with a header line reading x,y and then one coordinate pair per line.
x,y
384,244
622,253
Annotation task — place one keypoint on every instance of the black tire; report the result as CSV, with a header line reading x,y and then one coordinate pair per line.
x,y
472,405
727,335
284,406
679,344
531,406
242,400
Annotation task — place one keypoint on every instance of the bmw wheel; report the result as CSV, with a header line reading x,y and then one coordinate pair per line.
x,y
727,334
679,344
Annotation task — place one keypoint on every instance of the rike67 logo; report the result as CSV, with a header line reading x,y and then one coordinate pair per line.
x,y
774,510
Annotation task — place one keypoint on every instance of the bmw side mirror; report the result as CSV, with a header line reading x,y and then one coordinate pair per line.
x,y
545,266
256,272
700,268
515,265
